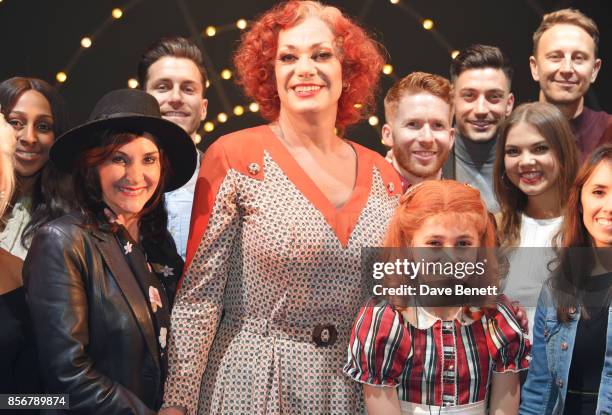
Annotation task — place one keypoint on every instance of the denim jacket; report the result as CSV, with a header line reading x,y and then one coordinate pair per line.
x,y
179,203
553,345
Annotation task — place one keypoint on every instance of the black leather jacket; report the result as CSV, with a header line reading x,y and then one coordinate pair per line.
x,y
95,335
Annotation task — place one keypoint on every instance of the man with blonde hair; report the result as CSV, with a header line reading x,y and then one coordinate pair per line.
x,y
565,64
418,127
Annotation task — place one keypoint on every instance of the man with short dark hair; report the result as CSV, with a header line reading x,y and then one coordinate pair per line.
x,y
172,71
418,126
565,64
481,77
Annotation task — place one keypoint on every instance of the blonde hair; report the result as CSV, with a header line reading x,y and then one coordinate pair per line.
x,y
7,178
567,16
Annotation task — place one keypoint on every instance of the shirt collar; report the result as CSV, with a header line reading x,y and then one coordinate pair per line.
x,y
420,318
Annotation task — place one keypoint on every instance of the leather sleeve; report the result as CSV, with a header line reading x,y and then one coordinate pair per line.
x,y
55,274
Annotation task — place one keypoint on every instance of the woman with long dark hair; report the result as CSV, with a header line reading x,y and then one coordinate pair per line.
x,y
101,280
572,350
535,165
38,115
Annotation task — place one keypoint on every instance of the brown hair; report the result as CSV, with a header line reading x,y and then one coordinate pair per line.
x,y
553,126
567,16
417,82
568,278
177,47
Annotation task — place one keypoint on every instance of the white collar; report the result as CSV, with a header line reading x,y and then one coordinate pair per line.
x,y
422,319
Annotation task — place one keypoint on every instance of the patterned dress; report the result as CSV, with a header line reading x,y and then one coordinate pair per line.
x,y
435,362
273,282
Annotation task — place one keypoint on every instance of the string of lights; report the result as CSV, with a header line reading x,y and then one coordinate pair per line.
x,y
226,74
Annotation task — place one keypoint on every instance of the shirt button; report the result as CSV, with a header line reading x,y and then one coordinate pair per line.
x,y
253,168
564,346
560,383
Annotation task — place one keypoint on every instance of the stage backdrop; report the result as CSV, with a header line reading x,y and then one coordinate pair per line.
x,y
96,44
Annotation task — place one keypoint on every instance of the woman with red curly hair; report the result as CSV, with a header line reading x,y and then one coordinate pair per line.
x,y
435,356
280,215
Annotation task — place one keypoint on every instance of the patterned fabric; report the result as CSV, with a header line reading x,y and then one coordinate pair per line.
x,y
11,231
153,289
282,264
442,363
165,262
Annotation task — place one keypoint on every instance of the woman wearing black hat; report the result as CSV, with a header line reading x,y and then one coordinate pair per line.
x,y
101,281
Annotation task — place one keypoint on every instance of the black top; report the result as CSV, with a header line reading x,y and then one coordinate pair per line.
x,y
18,361
88,307
154,289
589,348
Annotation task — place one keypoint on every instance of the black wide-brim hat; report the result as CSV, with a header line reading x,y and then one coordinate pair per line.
x,y
129,110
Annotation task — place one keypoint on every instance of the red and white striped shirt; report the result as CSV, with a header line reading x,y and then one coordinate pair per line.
x,y
435,362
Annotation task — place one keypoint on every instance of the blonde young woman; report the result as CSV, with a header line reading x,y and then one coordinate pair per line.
x,y
18,367
535,165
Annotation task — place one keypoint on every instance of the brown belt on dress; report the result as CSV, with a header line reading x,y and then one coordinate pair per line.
x,y
322,335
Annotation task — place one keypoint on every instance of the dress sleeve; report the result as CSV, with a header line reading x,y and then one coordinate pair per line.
x,y
380,346
199,300
508,346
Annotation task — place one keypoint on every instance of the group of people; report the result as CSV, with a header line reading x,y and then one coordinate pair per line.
x,y
142,276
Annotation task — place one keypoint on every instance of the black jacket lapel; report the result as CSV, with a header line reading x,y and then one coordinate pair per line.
x,y
126,280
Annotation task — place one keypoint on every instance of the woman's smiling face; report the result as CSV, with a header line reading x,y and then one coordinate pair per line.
x,y
307,68
130,176
32,119
596,200
531,164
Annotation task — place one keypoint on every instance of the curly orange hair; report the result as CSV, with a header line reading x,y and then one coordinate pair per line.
x,y
361,57
452,202
445,198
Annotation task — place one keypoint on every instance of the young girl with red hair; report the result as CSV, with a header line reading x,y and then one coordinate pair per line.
x,y
438,359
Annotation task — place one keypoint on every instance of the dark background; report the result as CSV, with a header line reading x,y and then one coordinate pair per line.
x,y
42,37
